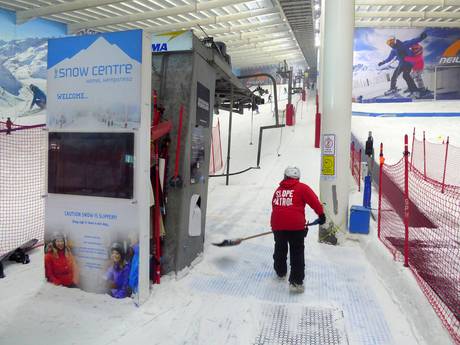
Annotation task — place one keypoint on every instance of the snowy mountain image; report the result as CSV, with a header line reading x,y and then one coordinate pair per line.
x,y
97,88
22,62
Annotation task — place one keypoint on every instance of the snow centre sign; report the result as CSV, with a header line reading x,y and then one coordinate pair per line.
x,y
96,209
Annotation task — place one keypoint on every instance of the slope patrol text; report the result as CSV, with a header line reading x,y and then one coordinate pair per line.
x,y
283,198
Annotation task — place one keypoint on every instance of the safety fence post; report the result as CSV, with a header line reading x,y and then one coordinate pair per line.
x,y
359,170
445,166
412,150
382,162
406,201
317,129
352,157
424,156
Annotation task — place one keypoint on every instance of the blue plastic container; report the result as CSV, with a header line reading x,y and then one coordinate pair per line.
x,y
359,219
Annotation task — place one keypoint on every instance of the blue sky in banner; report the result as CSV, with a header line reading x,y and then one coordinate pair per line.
x,y
36,28
67,47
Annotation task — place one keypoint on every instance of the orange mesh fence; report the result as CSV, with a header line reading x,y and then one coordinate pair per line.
x,y
434,236
440,162
22,175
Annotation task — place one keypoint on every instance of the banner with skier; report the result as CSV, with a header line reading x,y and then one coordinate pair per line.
x,y
405,64
23,52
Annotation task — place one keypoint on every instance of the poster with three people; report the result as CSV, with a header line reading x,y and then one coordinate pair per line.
x,y
406,64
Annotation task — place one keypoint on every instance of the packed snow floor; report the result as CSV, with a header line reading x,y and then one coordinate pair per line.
x,y
231,296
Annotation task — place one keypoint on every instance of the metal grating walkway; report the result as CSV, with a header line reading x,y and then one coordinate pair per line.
x,y
246,272
301,325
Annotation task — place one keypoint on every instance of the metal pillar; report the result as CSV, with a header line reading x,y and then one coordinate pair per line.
x,y
336,83
229,135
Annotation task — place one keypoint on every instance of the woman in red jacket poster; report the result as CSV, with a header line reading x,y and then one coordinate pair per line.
x,y
289,225
60,268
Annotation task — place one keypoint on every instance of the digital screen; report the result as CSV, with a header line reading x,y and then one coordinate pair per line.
x,y
92,164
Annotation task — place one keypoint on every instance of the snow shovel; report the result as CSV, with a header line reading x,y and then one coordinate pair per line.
x,y
237,241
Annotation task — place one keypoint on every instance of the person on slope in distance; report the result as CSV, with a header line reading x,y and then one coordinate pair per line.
x,y
39,97
400,50
60,267
289,226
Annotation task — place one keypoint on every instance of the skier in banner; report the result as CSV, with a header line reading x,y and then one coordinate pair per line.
x,y
418,65
289,226
400,50
39,97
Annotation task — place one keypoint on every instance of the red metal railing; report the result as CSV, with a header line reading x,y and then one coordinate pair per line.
x,y
355,164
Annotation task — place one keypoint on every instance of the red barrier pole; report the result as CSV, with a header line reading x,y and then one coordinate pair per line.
x,y
424,156
406,202
412,150
382,161
352,154
445,166
317,129
179,133
359,171
157,215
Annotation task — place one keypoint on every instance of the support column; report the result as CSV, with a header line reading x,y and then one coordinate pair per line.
x,y
335,101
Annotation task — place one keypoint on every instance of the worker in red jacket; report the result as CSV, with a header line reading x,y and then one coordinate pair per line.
x,y
289,226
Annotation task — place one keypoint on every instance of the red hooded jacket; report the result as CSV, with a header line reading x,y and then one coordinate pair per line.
x,y
288,205
59,268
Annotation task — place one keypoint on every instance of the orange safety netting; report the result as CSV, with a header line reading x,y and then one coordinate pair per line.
x,y
433,236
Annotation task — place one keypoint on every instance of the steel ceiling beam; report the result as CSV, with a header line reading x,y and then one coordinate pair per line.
x,y
237,28
259,41
212,20
25,15
408,2
408,14
170,11
244,35
406,23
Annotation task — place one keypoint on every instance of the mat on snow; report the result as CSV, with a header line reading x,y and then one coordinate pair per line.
x,y
299,325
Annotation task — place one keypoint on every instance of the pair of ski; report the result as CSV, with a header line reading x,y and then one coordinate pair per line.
x,y
18,254
237,241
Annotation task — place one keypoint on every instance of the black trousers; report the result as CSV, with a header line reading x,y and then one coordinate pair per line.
x,y
295,241
405,70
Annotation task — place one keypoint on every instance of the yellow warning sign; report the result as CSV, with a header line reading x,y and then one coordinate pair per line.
x,y
329,165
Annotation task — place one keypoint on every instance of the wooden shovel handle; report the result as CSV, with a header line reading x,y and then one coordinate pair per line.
x,y
258,235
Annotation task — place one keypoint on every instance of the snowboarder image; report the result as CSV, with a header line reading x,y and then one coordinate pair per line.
x,y
400,50
39,97
9,124
60,267
117,275
289,226
418,65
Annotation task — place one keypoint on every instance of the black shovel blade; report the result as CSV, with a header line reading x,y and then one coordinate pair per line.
x,y
228,243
